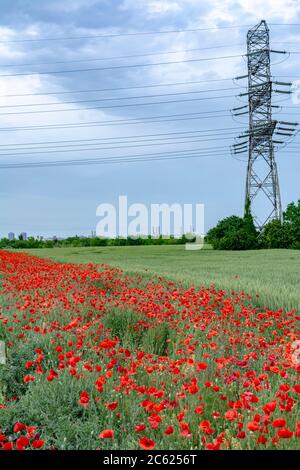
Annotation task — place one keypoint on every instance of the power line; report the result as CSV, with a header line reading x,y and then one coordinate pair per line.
x,y
116,106
28,64
117,99
117,89
45,151
129,160
117,67
137,33
284,24
115,35
81,126
130,121
120,159
140,136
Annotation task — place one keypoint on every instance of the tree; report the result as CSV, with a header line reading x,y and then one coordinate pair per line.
x,y
291,218
234,233
276,235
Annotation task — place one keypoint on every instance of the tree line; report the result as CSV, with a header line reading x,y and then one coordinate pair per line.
x,y
78,241
239,233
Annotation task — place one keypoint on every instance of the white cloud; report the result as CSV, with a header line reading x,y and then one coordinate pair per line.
x,y
162,7
248,11
153,8
71,6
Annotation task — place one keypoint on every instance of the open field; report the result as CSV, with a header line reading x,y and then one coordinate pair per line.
x,y
273,274
99,359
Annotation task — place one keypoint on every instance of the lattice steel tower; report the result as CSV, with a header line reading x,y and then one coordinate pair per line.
x,y
262,175
258,141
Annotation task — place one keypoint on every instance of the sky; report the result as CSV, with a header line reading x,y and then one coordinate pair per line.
x,y
62,200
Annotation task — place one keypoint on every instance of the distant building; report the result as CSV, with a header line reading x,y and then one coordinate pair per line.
x,y
24,236
11,236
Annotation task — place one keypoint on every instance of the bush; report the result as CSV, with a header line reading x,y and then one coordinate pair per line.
x,y
234,233
276,235
291,221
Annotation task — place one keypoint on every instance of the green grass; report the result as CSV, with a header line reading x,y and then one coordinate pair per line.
x,y
273,274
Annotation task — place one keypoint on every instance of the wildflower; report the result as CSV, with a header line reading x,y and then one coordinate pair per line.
x,y
169,430
28,378
146,444
154,420
140,428
107,434
22,442
231,415
252,426
279,423
19,427
8,446
284,433
112,406
84,399
296,388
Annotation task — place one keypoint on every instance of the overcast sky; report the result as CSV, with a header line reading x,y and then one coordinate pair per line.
x,y
62,200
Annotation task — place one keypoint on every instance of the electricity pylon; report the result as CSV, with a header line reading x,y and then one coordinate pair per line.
x,y
262,176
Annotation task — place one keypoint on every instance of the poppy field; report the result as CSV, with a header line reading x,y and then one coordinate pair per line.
x,y
98,358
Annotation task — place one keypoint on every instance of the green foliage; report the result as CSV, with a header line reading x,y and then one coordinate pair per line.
x,y
126,325
283,235
234,233
13,372
275,235
53,408
155,340
291,219
77,241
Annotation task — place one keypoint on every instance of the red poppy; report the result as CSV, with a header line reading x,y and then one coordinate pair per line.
x,y
270,407
154,420
262,440
204,425
8,446
284,433
112,406
28,378
185,430
84,399
140,428
231,415
279,423
37,444
19,427
252,426
31,431
199,409
22,442
146,444
169,430
106,434
206,428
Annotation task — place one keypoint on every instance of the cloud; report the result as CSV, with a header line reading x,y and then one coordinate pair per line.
x,y
90,17
152,8
163,7
72,6
247,11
